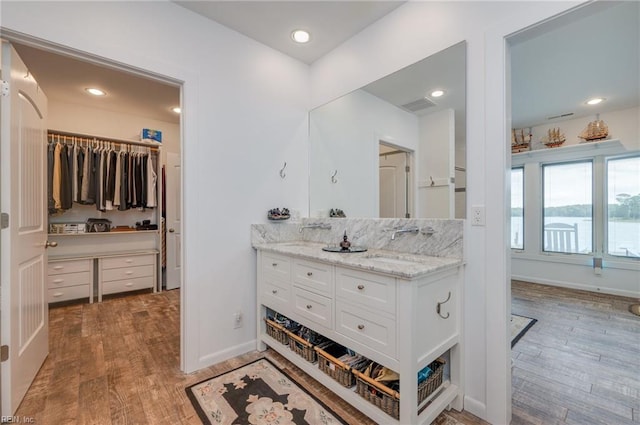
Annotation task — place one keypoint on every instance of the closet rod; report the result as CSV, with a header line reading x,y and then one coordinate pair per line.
x,y
100,138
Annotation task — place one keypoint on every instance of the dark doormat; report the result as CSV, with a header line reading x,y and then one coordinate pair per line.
x,y
519,326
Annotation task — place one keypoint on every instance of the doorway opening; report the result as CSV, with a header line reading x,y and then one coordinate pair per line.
x,y
63,75
395,180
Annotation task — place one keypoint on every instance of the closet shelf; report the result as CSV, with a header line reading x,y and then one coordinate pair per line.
x,y
104,233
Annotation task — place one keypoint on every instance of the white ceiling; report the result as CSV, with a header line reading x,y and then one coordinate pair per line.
x,y
555,66
330,23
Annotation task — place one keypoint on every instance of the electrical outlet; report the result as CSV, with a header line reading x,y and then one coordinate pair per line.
x,y
237,319
477,215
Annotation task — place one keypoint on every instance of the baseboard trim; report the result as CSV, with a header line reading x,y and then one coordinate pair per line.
x,y
475,407
570,285
226,354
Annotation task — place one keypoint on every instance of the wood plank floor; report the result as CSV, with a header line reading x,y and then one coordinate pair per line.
x,y
117,362
580,363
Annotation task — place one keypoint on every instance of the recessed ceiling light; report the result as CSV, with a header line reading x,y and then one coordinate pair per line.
x,y
177,109
595,100
437,93
94,91
300,36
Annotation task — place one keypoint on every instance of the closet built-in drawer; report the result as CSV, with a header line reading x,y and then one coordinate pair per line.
x,y
316,277
314,307
69,279
125,285
374,292
276,266
68,266
127,273
69,293
127,261
275,295
375,331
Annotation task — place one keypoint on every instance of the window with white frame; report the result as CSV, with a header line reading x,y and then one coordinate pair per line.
x,y
567,207
623,206
517,208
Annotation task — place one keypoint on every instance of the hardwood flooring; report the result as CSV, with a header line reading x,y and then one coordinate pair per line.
x,y
117,362
580,363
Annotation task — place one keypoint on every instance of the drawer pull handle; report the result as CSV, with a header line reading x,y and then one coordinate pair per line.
x,y
309,274
274,264
361,287
443,302
58,267
58,294
275,291
309,306
128,260
129,272
361,327
58,280
129,284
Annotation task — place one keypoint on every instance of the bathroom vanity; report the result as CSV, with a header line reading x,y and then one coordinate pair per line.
x,y
400,309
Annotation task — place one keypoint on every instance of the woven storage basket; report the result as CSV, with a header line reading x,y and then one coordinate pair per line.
x,y
426,388
301,347
335,368
389,400
277,332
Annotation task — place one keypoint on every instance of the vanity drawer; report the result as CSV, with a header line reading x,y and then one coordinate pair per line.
x,y
132,284
131,261
277,266
68,266
375,331
316,277
127,273
377,293
69,279
313,307
275,295
69,293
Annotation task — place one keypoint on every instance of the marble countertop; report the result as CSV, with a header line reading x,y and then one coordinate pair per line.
x,y
397,264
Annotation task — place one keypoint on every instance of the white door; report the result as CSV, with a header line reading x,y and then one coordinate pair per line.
x,y
174,203
23,305
393,185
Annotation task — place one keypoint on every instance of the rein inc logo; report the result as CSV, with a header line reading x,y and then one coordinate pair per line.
x,y
17,420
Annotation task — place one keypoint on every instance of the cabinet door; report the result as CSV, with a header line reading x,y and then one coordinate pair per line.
x,y
374,292
370,329
276,266
313,307
316,277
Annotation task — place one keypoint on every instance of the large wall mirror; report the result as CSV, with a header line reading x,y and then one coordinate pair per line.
x,y
396,147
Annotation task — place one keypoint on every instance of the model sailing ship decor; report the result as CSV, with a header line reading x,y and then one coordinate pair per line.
x,y
554,138
596,130
520,139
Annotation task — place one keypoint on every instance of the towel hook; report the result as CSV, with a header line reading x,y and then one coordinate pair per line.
x,y
432,182
282,173
333,177
443,302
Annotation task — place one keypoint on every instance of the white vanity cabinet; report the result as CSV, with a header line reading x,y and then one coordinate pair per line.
x,y
69,279
402,323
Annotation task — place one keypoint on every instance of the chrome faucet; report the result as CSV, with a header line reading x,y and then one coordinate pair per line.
x,y
325,226
413,229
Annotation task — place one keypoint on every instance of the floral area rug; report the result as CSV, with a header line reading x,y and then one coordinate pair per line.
x,y
519,326
259,394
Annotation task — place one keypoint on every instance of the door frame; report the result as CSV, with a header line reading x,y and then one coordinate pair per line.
x,y
186,365
410,184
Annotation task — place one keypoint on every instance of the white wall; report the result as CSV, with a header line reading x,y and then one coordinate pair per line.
x,y
244,114
344,136
410,33
436,159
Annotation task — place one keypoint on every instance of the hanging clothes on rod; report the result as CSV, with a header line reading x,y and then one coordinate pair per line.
x,y
106,173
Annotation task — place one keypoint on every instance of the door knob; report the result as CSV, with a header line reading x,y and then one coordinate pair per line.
x,y
172,230
50,244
